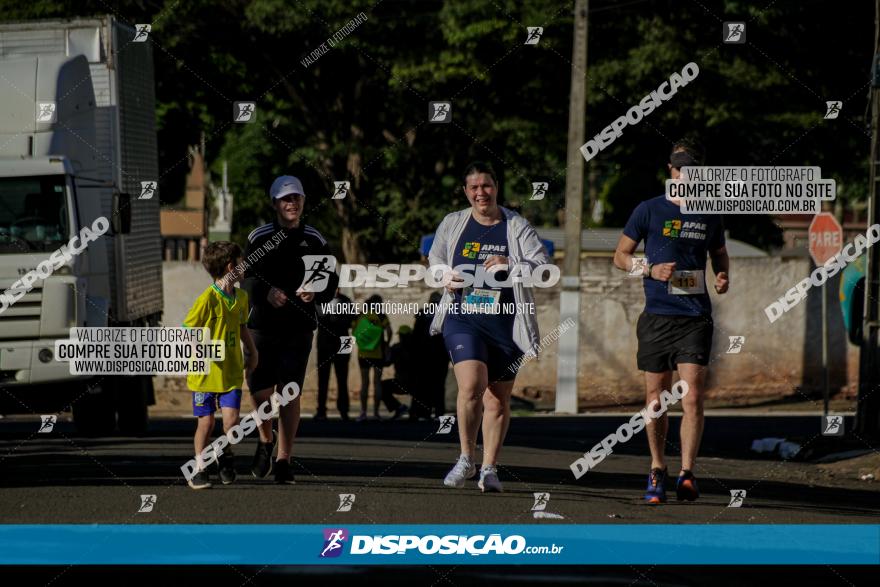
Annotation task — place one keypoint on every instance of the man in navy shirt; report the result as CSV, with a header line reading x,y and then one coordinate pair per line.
x,y
675,330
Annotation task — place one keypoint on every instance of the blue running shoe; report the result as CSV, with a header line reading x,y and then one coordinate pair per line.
x,y
656,492
686,487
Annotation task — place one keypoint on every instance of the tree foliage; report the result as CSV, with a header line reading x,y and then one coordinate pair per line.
x,y
359,113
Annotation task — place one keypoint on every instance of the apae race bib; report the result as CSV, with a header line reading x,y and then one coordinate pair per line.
x,y
687,283
476,300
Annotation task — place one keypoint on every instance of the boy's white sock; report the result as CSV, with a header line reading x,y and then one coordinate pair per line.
x,y
200,463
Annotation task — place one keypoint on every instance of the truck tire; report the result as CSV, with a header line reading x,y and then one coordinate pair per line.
x,y
94,413
132,397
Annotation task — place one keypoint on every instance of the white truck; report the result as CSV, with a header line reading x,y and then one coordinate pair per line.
x,y
62,167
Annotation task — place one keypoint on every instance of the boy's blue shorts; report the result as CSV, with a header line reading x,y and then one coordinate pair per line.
x,y
205,403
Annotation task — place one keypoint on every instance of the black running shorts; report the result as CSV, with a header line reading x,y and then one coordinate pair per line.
x,y
666,341
281,358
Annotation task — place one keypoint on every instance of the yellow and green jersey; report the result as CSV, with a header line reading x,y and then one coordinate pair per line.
x,y
224,315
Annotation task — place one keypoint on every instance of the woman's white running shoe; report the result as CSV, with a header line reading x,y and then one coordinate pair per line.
x,y
489,482
463,470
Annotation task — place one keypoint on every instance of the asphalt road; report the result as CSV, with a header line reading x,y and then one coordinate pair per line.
x,y
395,471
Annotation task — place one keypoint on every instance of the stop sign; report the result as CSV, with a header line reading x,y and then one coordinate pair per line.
x,y
826,237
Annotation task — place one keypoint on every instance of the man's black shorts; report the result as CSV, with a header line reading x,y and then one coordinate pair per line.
x,y
666,341
282,358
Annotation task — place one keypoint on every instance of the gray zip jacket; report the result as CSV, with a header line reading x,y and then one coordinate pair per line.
x,y
523,247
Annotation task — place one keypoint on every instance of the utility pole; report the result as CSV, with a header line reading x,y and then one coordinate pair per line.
x,y
868,408
569,299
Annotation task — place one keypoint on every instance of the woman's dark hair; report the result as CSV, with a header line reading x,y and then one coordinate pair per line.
x,y
374,299
478,167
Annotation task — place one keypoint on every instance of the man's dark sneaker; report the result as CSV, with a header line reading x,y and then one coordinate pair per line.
x,y
686,487
400,411
227,468
344,416
200,480
283,474
262,464
656,492
320,416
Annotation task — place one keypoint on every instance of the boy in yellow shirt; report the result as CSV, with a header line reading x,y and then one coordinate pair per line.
x,y
223,309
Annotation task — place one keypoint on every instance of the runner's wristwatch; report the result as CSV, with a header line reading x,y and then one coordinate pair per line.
x,y
647,274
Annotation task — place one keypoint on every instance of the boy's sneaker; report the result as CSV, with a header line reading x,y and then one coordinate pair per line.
x,y
464,469
283,474
489,482
262,464
227,468
200,480
656,492
686,487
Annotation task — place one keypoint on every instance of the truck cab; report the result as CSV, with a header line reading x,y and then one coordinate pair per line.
x,y
77,139
37,217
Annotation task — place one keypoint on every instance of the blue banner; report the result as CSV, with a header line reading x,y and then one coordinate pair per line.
x,y
253,544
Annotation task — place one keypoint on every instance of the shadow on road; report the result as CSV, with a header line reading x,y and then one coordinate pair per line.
x,y
92,463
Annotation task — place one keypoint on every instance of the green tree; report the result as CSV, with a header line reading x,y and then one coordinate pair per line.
x,y
359,112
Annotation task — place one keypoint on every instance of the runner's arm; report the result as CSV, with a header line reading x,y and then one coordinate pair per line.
x,y
257,275
721,267
720,260
251,357
634,232
438,253
623,255
623,259
533,252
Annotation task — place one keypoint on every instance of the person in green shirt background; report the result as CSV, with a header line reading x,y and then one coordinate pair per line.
x,y
372,331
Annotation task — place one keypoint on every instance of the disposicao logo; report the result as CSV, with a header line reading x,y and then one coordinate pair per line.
x,y
333,542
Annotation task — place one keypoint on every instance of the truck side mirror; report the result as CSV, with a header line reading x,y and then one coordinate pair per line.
x,y
121,220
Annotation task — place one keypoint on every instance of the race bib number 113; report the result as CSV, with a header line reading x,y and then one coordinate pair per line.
x,y
687,283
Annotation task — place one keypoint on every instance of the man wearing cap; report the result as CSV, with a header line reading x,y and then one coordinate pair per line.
x,y
282,319
675,330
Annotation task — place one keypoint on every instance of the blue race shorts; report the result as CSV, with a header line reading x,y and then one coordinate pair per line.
x,y
205,403
466,342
